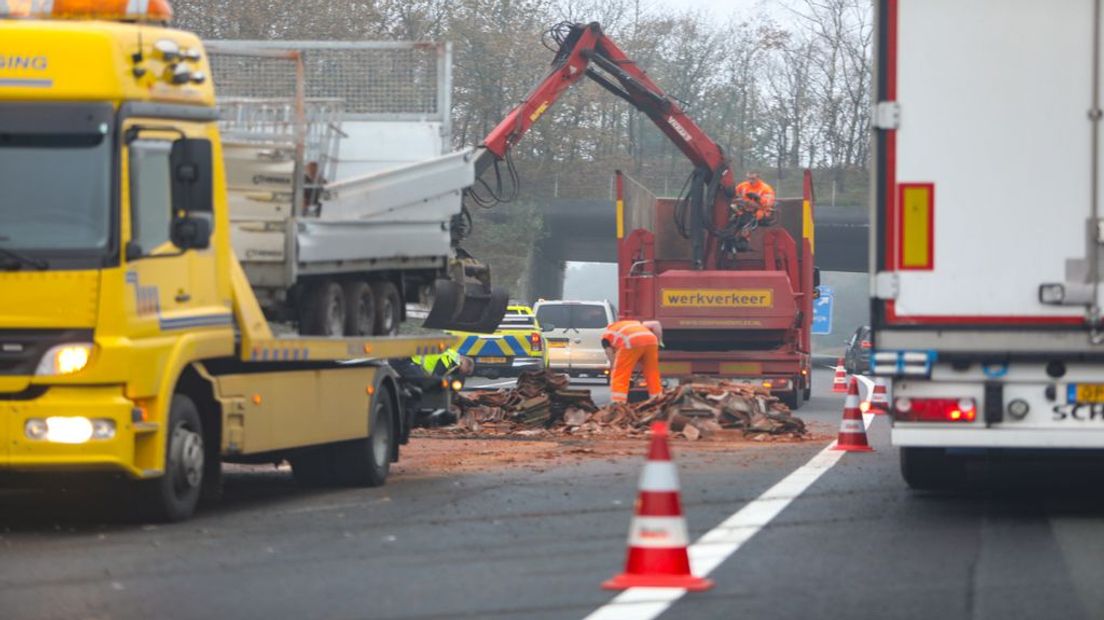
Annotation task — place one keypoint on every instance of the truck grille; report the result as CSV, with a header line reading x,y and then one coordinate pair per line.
x,y
22,349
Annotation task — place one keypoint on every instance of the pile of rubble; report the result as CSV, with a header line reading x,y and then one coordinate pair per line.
x,y
544,403
541,399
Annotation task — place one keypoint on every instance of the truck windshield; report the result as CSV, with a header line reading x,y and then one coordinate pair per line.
x,y
56,179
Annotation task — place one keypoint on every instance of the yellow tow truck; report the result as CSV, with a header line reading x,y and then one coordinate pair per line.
x,y
130,340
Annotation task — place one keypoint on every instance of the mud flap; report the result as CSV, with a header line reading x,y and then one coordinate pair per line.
x,y
469,307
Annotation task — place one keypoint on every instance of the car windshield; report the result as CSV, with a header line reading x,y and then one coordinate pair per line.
x,y
588,316
573,316
57,183
555,315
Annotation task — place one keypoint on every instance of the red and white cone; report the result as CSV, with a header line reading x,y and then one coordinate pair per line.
x,y
879,398
839,383
657,556
852,433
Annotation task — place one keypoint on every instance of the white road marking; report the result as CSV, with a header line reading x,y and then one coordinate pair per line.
x,y
491,385
716,545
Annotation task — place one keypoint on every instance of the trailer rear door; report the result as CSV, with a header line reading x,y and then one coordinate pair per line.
x,y
983,160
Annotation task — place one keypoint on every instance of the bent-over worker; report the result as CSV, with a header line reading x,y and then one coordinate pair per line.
x,y
629,342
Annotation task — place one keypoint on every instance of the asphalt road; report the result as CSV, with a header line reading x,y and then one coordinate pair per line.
x,y
536,541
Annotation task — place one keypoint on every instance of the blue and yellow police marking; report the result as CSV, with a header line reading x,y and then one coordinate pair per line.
x,y
499,346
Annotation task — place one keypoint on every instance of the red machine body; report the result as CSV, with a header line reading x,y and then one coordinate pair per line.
x,y
748,319
743,314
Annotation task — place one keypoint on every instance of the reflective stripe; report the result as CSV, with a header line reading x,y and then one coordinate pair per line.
x,y
624,334
659,476
658,532
851,402
852,426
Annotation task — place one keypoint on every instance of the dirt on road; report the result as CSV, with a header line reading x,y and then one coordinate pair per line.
x,y
432,452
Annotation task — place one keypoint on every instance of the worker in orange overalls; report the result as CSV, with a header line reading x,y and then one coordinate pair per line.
x,y
629,342
754,204
758,193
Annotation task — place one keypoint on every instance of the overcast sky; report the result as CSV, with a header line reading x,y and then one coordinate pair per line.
x,y
724,9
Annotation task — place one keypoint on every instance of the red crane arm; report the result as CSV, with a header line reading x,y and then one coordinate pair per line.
x,y
583,48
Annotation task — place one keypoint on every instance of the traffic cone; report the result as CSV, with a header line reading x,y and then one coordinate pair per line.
x,y
879,398
852,433
657,556
839,383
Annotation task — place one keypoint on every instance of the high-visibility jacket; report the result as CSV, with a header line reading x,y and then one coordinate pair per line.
x,y
628,334
438,363
765,192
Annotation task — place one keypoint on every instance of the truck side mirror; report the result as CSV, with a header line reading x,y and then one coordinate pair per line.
x,y
191,232
191,167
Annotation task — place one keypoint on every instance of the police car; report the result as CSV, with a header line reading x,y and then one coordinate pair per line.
x,y
516,345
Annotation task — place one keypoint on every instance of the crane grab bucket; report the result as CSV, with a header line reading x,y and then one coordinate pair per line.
x,y
468,307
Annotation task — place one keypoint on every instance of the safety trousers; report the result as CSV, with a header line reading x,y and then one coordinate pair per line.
x,y
623,365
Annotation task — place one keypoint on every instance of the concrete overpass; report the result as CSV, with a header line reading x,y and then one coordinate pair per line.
x,y
585,230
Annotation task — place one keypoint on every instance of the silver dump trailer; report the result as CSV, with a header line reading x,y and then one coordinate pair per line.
x,y
341,179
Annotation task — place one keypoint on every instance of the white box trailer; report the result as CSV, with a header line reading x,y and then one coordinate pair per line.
x,y
341,178
986,228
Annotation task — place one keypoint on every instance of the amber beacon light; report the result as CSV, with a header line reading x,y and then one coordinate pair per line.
x,y
114,10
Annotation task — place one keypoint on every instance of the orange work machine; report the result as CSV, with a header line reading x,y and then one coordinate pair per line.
x,y
729,313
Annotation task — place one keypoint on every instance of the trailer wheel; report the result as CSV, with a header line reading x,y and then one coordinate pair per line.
x,y
323,310
174,496
807,391
930,469
388,308
360,309
366,462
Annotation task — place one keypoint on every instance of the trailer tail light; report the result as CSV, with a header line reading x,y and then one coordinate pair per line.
x,y
535,341
935,409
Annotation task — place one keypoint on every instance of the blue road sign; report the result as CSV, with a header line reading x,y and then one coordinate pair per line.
x,y
822,311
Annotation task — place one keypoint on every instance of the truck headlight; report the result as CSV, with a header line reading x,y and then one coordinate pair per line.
x,y
65,359
71,430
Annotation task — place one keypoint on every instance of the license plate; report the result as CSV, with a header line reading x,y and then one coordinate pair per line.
x,y
492,360
557,344
1086,393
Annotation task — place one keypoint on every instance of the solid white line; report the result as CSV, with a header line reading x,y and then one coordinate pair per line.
x,y
716,545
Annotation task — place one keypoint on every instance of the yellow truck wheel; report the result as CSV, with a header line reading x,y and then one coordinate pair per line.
x,y
367,462
360,462
173,496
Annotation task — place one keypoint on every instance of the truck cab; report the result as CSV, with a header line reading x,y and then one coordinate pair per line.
x,y
130,340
